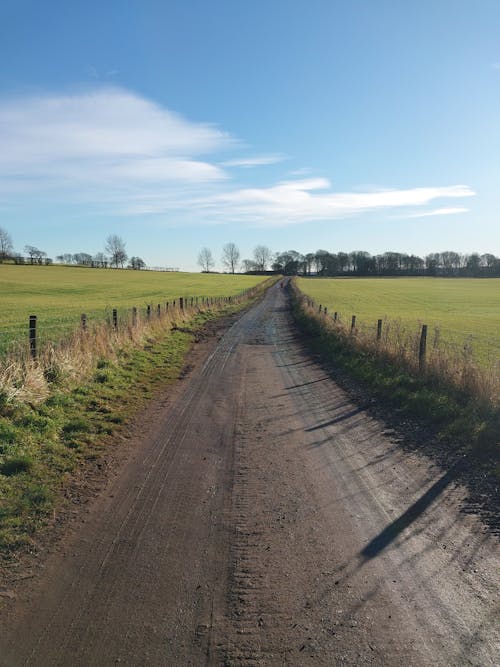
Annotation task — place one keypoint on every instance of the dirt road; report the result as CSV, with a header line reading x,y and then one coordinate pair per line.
x,y
265,520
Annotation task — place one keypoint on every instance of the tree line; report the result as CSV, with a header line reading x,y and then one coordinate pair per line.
x,y
114,255
362,263
356,263
289,262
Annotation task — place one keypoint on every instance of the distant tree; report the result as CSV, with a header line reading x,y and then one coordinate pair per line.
x,y
206,260
36,256
82,258
115,247
136,263
230,256
308,263
248,265
65,258
262,256
288,263
6,247
100,261
473,264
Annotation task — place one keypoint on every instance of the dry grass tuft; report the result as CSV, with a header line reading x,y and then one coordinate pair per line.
x,y
445,365
74,358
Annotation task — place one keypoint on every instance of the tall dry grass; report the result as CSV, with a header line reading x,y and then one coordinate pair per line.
x,y
444,364
74,358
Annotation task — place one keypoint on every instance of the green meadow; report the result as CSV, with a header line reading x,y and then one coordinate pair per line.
x,y
464,311
58,295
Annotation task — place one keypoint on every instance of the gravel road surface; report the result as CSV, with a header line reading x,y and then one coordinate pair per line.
x,y
265,519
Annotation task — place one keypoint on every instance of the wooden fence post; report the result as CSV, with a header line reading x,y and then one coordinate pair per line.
x,y
158,310
379,329
115,318
353,323
181,303
134,316
148,312
326,310
83,321
335,316
422,347
32,331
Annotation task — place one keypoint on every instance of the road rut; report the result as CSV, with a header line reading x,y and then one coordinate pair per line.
x,y
267,521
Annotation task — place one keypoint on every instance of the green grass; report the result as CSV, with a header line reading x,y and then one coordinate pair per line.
x,y
58,295
42,445
463,422
465,310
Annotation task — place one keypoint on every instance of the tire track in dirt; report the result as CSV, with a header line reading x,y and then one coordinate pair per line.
x,y
269,521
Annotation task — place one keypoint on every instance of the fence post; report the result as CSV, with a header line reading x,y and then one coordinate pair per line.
x,y
115,318
148,312
158,310
181,303
379,329
33,336
134,316
422,347
325,310
335,316
353,322
83,321
319,308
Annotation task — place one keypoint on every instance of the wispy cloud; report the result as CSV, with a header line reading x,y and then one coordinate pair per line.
x,y
257,161
115,151
297,201
438,211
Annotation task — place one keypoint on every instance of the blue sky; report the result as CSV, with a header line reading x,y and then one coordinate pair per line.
x,y
178,124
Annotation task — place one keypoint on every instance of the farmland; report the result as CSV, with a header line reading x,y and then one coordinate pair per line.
x,y
58,294
464,311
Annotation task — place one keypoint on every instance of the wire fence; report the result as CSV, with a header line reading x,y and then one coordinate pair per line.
x,y
427,350
19,339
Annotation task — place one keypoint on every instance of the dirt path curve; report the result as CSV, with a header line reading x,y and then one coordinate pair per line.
x,y
270,521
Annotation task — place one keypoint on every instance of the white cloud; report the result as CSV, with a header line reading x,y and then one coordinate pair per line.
x,y
104,125
116,152
257,161
439,211
297,201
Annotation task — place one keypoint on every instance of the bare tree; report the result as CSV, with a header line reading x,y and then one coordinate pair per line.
x,y
100,260
248,265
206,260
6,247
115,247
262,256
230,256
36,255
136,263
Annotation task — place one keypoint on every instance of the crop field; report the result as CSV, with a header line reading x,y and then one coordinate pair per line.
x,y
58,295
461,312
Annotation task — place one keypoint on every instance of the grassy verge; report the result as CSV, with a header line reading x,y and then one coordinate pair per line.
x,y
459,418
44,442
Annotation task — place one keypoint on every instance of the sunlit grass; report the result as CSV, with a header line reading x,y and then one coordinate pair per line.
x,y
58,295
465,311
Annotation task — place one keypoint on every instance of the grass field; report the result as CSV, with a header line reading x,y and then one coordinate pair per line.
x,y
58,295
465,311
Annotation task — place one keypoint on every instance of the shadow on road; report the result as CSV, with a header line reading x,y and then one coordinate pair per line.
x,y
336,420
391,532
